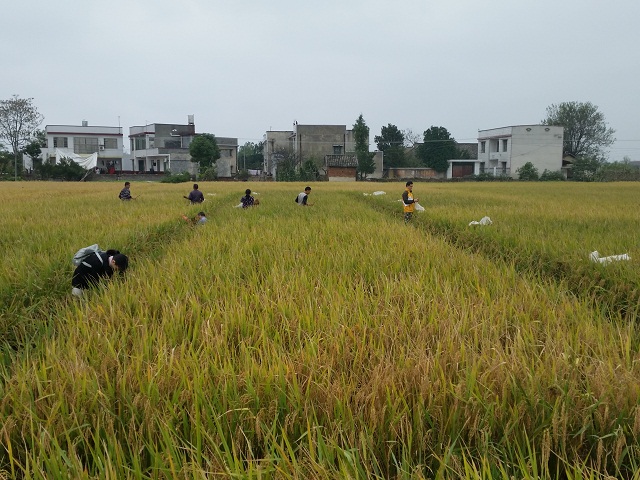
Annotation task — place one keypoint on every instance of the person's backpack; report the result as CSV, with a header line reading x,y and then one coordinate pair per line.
x,y
85,252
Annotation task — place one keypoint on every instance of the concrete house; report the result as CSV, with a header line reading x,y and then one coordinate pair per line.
x,y
97,147
502,151
227,164
162,147
332,147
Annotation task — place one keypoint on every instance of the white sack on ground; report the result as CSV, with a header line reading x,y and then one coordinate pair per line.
x,y
238,205
379,192
483,221
595,257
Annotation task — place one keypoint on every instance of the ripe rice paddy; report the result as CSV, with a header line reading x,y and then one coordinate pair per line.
x,y
322,342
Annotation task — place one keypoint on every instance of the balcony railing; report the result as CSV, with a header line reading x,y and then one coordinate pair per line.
x,y
495,171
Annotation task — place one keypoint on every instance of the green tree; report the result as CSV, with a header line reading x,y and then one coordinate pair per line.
x,y
585,130
585,169
437,149
308,171
366,164
527,172
19,119
66,169
549,176
391,142
286,163
204,150
35,146
6,160
617,171
250,156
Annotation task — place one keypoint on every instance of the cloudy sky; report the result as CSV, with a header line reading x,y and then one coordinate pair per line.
x,y
243,67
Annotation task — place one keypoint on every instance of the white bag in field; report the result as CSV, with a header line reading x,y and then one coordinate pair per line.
x,y
483,221
595,257
419,208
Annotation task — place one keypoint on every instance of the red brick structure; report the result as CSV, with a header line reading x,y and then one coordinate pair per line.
x,y
341,167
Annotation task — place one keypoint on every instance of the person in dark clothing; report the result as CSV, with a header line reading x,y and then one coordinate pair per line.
x,y
247,201
196,195
125,193
95,267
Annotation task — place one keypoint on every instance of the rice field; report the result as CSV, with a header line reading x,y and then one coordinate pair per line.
x,y
324,342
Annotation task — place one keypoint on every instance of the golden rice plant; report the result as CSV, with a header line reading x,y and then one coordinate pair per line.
x,y
321,342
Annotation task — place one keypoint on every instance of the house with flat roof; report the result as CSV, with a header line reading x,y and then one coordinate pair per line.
x,y
100,146
502,151
164,147
161,147
331,147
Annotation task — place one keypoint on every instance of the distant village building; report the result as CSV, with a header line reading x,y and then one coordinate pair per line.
x,y
162,147
96,147
502,151
458,168
464,167
331,147
227,164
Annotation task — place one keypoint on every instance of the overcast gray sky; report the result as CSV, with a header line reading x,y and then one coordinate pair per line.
x,y
243,67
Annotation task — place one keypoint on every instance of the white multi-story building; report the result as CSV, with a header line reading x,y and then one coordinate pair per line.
x,y
84,141
502,151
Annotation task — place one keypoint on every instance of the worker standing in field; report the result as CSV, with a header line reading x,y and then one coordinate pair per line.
x,y
96,266
125,193
196,196
408,201
303,198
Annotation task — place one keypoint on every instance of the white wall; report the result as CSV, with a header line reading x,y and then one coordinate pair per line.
x,y
541,145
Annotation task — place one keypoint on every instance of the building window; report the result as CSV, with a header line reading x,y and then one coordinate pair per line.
x,y
110,143
85,144
60,142
140,143
504,144
225,153
483,146
337,149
